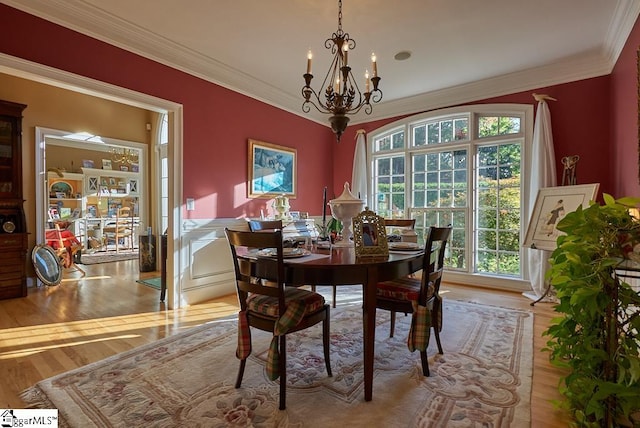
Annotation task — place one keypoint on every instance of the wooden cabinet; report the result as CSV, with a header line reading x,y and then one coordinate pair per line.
x,y
13,225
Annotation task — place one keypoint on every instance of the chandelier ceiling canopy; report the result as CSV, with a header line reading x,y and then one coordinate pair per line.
x,y
339,94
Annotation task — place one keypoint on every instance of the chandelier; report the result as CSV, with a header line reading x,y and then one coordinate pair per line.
x,y
339,94
124,156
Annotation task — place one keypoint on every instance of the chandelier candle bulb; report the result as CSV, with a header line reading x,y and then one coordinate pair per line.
x,y
309,57
366,80
374,65
346,54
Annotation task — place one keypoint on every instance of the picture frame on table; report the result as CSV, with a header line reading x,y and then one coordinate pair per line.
x,y
552,204
369,235
124,168
135,167
87,163
106,164
272,170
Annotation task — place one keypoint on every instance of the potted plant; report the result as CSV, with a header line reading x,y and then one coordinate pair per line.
x,y
596,338
330,230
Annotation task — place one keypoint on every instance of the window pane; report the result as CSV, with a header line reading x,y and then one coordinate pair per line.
x,y
490,126
461,129
433,133
389,180
419,135
398,140
391,141
384,166
498,214
382,144
446,130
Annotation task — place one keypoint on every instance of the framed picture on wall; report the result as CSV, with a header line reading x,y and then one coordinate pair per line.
x,y
272,170
106,164
552,204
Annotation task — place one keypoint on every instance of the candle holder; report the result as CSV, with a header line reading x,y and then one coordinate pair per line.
x,y
281,206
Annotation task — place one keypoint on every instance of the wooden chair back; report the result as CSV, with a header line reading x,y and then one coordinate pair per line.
x,y
409,223
433,266
266,275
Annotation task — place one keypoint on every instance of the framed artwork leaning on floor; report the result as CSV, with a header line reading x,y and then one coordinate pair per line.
x,y
552,204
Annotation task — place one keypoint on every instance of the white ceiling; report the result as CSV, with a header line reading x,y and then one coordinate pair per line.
x,y
462,50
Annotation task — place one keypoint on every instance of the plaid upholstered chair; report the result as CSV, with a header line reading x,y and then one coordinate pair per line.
x,y
419,296
271,307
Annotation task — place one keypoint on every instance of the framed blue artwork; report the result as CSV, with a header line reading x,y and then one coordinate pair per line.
x,y
272,170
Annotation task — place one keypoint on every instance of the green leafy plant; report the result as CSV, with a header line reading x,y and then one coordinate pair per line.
x,y
596,339
332,227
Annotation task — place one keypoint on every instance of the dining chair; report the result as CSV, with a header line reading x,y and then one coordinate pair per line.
x,y
397,226
266,304
409,223
121,230
419,296
255,225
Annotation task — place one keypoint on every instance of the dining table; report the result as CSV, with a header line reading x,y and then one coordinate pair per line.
x,y
340,266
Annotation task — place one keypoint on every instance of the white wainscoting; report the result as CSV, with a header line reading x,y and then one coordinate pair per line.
x,y
207,270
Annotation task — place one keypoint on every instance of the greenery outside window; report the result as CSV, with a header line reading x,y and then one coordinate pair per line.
x,y
464,167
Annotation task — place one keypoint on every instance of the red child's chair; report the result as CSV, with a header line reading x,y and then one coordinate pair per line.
x,y
65,244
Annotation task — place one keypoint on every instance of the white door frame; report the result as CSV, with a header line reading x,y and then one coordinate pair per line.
x,y
73,82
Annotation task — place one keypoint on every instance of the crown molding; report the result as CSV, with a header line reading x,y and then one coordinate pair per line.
x,y
89,20
624,18
577,68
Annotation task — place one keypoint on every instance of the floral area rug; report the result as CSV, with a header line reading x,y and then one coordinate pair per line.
x,y
108,257
187,380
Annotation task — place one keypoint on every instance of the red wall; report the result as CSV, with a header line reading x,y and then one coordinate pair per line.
x,y
217,122
624,118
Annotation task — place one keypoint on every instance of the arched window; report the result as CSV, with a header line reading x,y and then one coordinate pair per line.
x,y
465,167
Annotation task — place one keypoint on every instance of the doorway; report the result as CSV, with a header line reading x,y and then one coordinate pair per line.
x,y
89,182
67,81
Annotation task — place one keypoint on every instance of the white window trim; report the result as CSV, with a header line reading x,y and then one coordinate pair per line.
x,y
524,110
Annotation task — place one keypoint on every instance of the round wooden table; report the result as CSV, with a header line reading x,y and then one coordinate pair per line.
x,y
341,267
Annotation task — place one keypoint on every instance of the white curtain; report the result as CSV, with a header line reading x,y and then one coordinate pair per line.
x,y
359,186
543,174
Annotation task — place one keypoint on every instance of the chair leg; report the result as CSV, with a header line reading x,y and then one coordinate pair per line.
x,y
334,296
425,363
326,336
243,363
435,316
283,371
392,328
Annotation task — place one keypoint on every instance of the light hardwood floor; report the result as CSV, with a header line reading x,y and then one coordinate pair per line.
x,y
56,329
